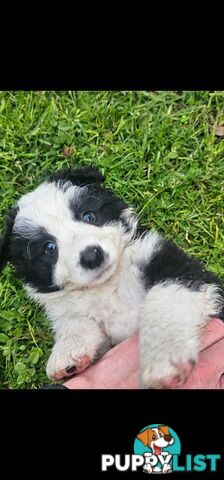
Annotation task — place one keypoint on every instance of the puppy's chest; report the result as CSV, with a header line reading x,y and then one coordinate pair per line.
x,y
117,314
114,307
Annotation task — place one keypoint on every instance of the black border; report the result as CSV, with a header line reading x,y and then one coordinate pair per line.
x,y
69,430
74,428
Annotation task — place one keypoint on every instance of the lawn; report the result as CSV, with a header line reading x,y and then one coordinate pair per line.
x,y
157,149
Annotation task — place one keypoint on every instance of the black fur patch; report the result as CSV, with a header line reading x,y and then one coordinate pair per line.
x,y
79,176
169,262
106,206
101,201
5,240
32,264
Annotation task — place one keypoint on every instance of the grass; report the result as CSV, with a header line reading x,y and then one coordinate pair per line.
x,y
157,149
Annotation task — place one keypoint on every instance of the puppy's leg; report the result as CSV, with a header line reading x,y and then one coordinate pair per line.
x,y
78,343
171,326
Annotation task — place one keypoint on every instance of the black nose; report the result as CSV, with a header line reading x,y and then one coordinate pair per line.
x,y
92,257
168,438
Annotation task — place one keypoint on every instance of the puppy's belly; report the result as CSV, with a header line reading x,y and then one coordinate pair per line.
x,y
119,325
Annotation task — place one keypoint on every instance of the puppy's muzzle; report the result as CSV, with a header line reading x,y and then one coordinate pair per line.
x,y
92,257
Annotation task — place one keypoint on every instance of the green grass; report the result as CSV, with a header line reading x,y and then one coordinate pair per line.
x,y
157,149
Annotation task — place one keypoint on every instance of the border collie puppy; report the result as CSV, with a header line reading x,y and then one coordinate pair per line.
x,y
101,278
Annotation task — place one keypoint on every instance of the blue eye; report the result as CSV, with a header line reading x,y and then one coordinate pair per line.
x,y
50,248
89,217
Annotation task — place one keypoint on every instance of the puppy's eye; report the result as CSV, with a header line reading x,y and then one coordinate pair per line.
x,y
89,217
50,248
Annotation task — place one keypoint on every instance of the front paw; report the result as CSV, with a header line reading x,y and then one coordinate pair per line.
x,y
65,361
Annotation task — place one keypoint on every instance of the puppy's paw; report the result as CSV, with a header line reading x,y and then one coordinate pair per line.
x,y
66,363
72,355
183,371
168,373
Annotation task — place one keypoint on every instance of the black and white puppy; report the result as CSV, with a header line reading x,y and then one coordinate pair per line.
x,y
102,278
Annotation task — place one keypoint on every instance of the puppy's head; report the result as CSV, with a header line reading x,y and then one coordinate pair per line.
x,y
156,438
68,233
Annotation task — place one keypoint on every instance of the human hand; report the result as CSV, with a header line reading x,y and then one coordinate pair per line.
x,y
119,367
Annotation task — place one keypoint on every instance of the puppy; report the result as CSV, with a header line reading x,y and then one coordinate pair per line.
x,y
102,278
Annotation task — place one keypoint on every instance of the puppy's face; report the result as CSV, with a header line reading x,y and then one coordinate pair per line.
x,y
156,438
68,233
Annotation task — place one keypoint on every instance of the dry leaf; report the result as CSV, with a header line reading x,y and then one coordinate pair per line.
x,y
219,130
68,151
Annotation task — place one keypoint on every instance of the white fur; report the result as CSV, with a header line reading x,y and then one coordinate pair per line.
x,y
99,308
172,321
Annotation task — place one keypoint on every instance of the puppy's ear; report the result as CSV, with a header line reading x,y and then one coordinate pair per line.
x,y
5,239
164,429
146,436
79,176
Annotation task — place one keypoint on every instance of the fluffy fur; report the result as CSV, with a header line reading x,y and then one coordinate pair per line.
x,y
101,278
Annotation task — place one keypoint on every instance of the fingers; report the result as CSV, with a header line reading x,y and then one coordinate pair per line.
x,y
209,370
213,332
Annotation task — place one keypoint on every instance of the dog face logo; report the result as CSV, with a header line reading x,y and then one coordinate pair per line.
x,y
156,438
157,443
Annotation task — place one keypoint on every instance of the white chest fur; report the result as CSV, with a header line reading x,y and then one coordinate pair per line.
x,y
114,305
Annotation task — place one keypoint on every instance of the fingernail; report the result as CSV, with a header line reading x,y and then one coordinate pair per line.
x,y
70,369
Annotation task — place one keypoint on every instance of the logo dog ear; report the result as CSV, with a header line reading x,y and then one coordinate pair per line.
x,y
164,429
146,436
79,176
6,237
167,435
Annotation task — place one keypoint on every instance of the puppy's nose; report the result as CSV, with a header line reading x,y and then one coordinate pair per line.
x,y
167,438
92,257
